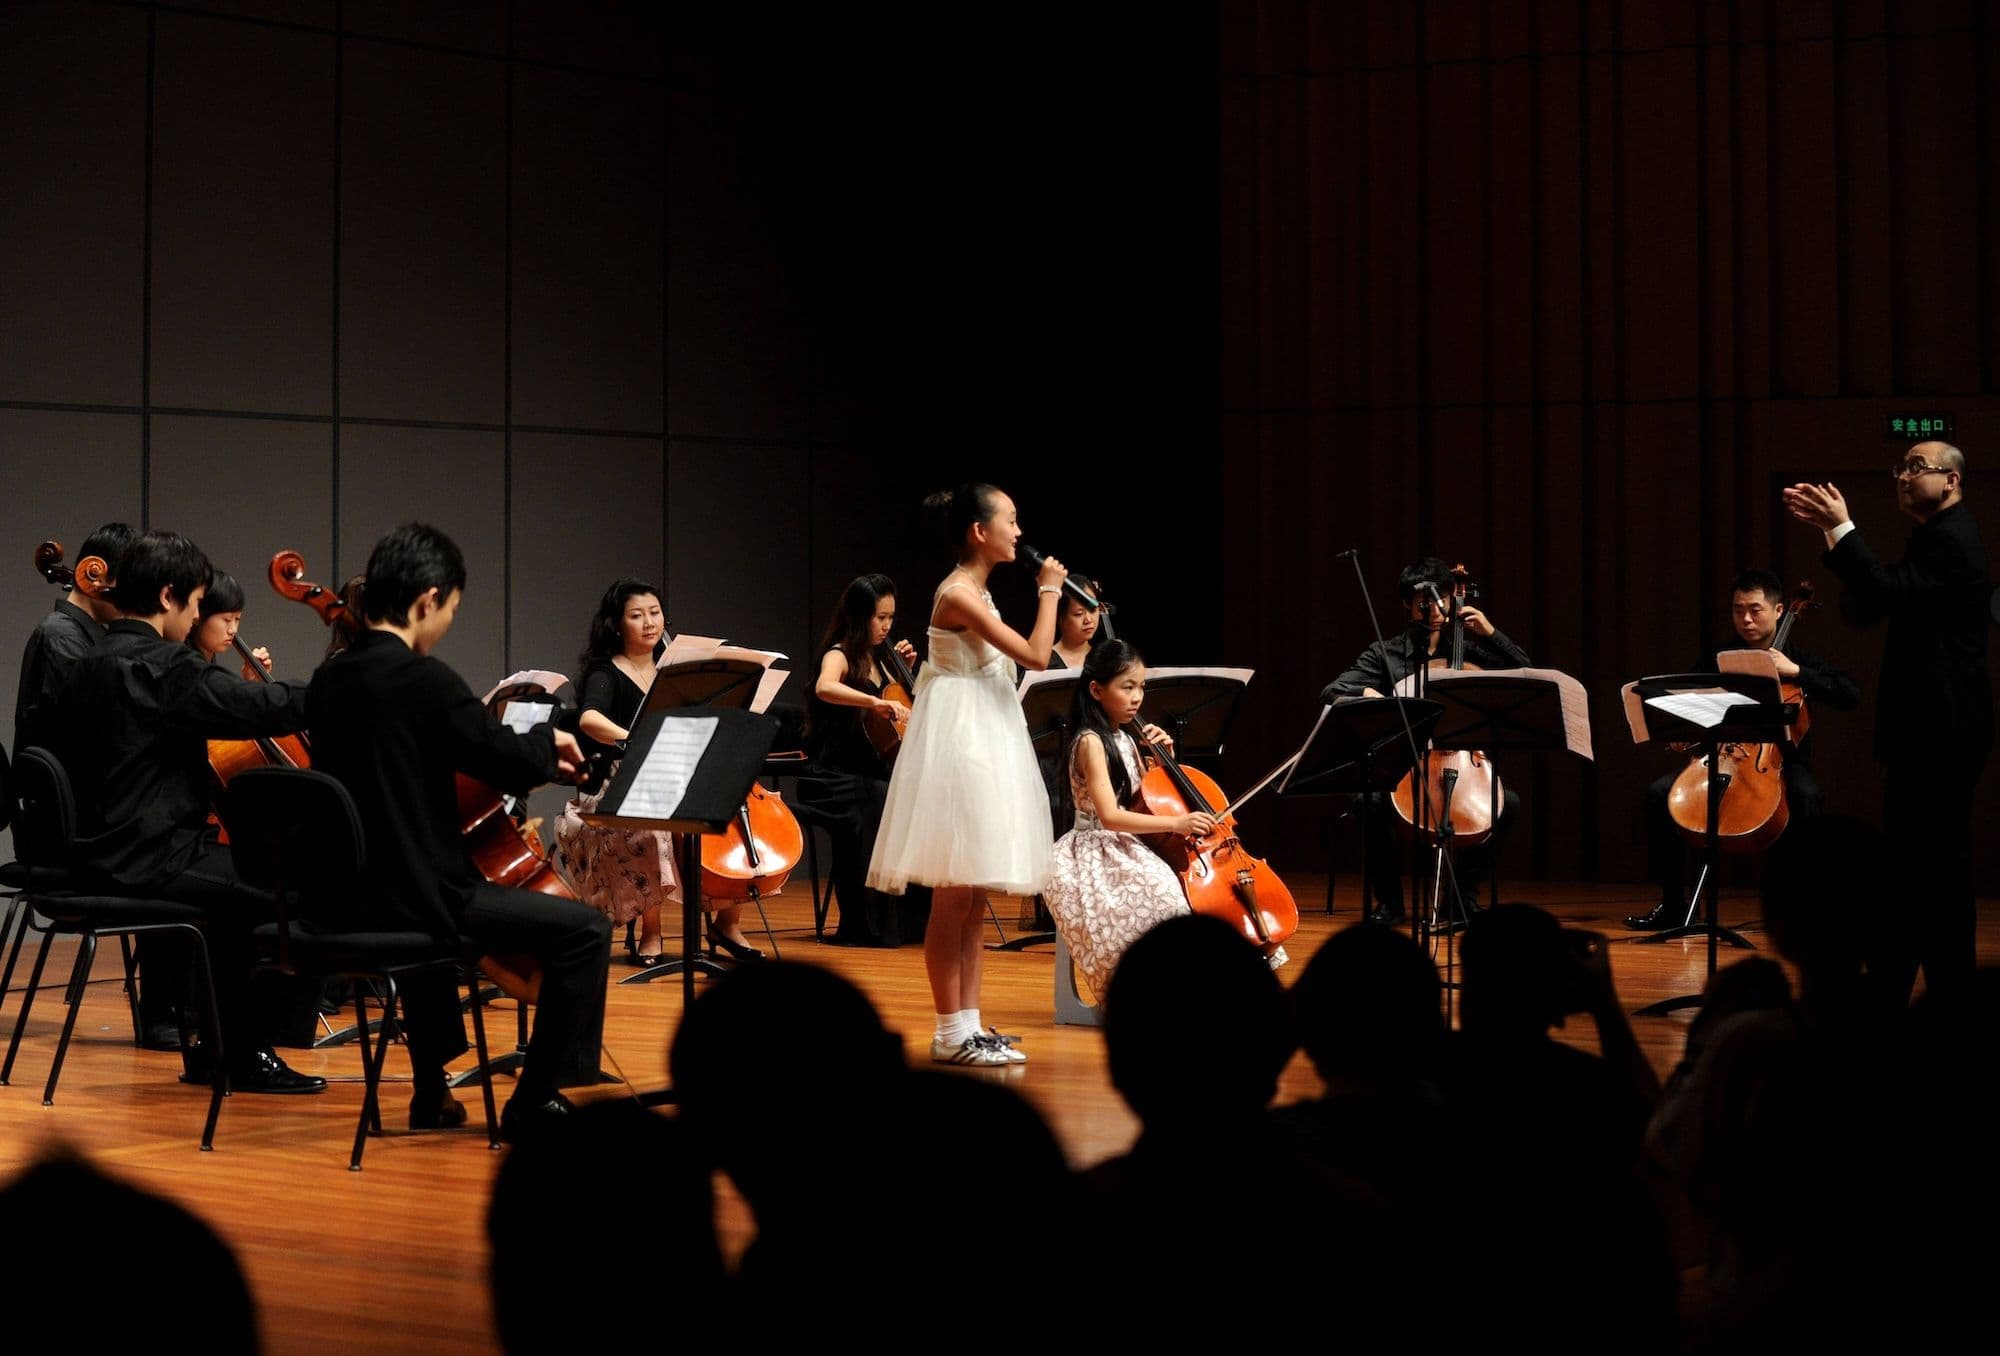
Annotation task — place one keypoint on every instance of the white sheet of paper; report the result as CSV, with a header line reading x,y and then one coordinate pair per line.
x,y
1706,709
522,717
662,780
687,649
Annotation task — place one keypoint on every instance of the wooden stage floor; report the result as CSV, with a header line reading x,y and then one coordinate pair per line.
x,y
278,1189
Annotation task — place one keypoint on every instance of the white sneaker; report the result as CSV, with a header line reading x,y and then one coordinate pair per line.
x,y
975,1049
1005,1044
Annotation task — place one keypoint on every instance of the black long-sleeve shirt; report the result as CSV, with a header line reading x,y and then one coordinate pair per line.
x,y
132,728
395,726
59,640
1384,665
1934,697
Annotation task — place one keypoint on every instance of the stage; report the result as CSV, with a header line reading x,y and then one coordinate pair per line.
x,y
278,1188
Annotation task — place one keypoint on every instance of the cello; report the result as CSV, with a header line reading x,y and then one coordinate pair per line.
x,y
1754,811
1218,873
885,733
1464,781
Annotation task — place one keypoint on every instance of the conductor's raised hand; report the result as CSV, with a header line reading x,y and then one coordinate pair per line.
x,y
1822,506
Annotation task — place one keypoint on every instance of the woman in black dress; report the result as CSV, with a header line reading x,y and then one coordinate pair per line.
x,y
849,779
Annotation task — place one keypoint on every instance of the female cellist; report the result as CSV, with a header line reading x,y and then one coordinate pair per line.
x,y
1376,673
628,873
849,781
221,616
1106,885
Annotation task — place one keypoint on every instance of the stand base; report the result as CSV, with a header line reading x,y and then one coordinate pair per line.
x,y
1667,1005
1025,940
1722,934
700,965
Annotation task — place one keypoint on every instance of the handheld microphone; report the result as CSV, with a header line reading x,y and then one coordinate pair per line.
x,y
1070,587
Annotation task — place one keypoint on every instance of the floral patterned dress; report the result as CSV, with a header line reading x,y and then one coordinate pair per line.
x,y
1106,888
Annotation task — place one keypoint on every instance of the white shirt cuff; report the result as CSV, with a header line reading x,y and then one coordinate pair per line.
x,y
1833,537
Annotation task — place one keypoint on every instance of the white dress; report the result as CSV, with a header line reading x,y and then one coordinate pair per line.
x,y
966,802
1107,889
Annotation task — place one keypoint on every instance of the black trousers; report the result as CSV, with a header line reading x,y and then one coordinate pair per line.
x,y
1930,922
572,944
1667,848
1389,851
234,910
849,808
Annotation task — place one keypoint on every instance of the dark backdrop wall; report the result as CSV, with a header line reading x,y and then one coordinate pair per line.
x,y
1566,290
602,288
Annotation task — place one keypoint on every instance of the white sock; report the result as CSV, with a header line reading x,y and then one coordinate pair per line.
x,y
951,1029
973,1025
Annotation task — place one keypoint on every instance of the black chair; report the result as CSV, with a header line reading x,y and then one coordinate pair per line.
x,y
44,838
295,833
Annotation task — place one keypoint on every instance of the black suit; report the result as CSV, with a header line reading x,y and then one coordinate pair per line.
x,y
1827,689
1933,732
1381,667
131,728
394,727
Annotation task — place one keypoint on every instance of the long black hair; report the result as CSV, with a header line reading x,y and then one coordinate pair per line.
x,y
953,511
603,640
847,629
1104,665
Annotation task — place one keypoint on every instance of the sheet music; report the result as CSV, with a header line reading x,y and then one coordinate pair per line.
x,y
688,649
521,717
662,780
545,679
1706,709
777,665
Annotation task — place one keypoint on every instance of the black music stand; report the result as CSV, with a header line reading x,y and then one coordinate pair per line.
x,y
1766,718
1358,747
698,687
1525,710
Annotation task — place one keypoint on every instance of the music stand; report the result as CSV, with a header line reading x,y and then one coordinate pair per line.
x,y
1761,716
1359,746
700,685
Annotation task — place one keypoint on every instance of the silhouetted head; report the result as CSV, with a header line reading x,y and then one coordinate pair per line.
x,y
1195,1024
771,1049
1369,1007
1521,973
66,1213
561,1185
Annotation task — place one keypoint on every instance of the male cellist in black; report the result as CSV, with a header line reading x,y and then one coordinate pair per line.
x,y
1756,605
131,729
1375,673
1933,708
395,725
66,633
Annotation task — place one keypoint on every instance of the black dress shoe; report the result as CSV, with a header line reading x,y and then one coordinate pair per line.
x,y
1388,918
164,1034
523,1119
436,1111
265,1072
1660,917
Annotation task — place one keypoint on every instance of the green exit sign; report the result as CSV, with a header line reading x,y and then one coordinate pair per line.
x,y
1913,426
